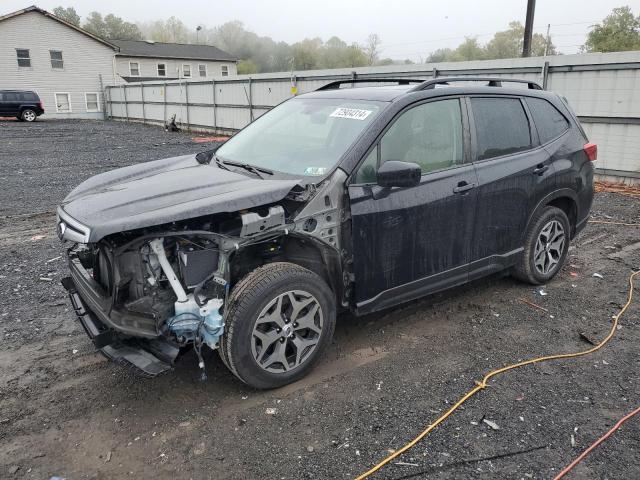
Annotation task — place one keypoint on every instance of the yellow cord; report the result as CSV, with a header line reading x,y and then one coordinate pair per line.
x,y
483,384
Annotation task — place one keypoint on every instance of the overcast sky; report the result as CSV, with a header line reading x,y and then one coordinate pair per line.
x,y
408,28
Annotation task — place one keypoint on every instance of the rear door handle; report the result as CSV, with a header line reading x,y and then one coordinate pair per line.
x,y
540,169
463,187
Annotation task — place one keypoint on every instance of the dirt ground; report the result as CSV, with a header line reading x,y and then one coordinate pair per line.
x,y
66,411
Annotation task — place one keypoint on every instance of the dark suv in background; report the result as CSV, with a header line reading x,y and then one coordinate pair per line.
x,y
24,105
342,198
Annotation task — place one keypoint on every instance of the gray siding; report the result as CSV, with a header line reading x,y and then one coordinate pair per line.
x,y
85,59
149,67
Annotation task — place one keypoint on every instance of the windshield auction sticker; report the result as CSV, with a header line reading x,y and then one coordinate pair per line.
x,y
352,113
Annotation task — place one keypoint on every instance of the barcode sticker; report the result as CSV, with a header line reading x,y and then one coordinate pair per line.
x,y
352,113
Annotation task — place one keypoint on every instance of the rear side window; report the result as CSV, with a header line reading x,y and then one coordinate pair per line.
x,y
550,123
502,127
28,97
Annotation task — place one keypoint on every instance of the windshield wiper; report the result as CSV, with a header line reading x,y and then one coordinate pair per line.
x,y
251,168
220,163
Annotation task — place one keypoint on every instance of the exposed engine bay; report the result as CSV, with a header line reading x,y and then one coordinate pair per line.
x,y
146,295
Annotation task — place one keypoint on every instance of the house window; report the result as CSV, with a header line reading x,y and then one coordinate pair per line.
x,y
162,69
56,59
186,70
63,102
203,70
91,100
224,70
134,69
24,60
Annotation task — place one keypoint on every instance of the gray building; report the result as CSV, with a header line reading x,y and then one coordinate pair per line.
x,y
138,61
69,67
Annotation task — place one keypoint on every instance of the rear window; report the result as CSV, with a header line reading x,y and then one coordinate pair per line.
x,y
550,123
501,125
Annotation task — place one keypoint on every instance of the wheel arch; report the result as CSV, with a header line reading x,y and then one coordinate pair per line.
x,y
300,250
566,200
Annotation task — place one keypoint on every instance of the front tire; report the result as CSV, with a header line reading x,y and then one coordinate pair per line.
x,y
545,247
280,319
28,115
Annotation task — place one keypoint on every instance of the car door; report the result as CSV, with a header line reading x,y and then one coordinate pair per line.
x,y
411,241
6,104
514,172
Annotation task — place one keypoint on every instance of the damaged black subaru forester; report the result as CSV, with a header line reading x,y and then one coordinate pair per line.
x,y
340,199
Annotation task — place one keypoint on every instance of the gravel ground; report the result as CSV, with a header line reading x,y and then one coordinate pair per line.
x,y
66,411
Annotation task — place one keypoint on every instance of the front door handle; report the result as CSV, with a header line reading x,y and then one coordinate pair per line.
x,y
463,187
540,169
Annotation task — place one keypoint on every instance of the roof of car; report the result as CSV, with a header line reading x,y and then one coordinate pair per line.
x,y
389,93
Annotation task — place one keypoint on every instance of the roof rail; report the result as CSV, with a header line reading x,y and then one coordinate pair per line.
x,y
400,81
491,82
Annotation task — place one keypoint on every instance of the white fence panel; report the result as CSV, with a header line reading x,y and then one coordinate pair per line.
x,y
603,89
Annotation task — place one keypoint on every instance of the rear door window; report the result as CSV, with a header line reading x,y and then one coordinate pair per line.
x,y
550,123
502,127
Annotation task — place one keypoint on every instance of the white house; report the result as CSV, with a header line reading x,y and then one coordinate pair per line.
x,y
68,67
62,63
137,61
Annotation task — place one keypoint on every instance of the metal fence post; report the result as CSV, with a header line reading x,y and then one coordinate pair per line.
x,y
104,101
213,86
545,75
435,72
126,104
186,100
144,118
164,101
250,102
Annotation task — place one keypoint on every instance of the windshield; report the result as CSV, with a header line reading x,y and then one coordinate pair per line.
x,y
303,136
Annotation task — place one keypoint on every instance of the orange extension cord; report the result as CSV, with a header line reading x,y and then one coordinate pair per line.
x,y
581,457
483,384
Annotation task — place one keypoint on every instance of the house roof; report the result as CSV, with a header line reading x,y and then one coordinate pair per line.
x,y
33,8
147,48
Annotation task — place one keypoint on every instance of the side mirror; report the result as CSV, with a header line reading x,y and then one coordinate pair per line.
x,y
393,173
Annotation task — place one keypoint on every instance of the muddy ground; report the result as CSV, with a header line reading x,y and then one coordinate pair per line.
x,y
66,411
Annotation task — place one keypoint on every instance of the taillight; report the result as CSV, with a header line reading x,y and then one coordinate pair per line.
x,y
40,105
591,149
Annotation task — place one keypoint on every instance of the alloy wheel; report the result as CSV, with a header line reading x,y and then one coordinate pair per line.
x,y
549,247
287,331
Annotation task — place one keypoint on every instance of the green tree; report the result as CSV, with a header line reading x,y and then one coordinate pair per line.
x,y
306,54
508,43
618,32
470,49
441,55
111,27
94,23
68,14
246,67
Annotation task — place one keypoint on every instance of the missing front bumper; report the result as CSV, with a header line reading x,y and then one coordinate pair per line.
x,y
146,357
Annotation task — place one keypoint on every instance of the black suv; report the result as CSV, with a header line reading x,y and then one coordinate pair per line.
x,y
24,105
343,198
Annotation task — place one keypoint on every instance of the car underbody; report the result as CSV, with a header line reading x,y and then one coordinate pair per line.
x,y
146,295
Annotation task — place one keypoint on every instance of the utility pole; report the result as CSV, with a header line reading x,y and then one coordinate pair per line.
x,y
546,45
528,28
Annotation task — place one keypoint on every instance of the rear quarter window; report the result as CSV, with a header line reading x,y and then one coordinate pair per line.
x,y
550,123
502,127
28,97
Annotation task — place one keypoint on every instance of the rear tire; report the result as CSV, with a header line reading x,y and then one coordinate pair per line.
x,y
545,247
280,318
29,115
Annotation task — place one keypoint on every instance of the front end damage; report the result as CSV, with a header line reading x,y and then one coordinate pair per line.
x,y
145,296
